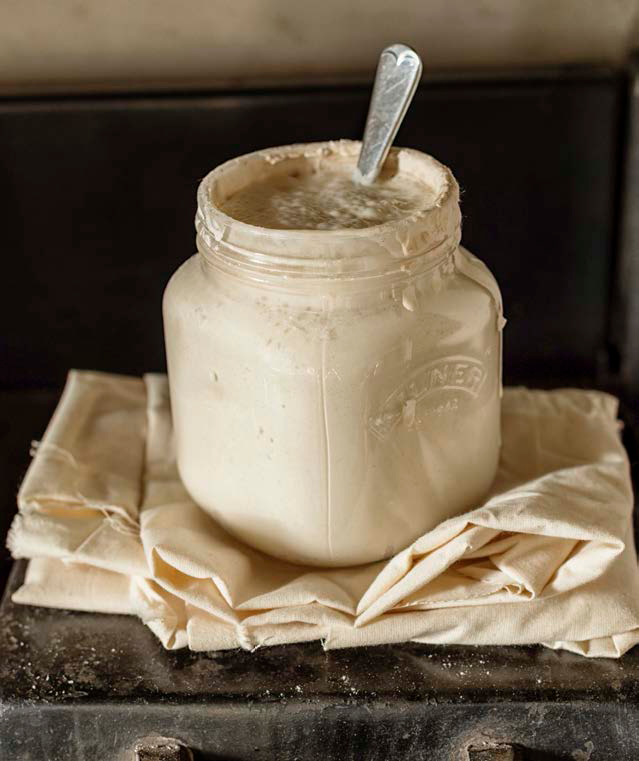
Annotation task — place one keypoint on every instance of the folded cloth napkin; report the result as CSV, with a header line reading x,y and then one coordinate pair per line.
x,y
547,558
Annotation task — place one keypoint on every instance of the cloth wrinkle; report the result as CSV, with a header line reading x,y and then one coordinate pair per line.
x,y
547,558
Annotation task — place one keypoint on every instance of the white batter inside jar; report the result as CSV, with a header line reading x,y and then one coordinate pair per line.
x,y
326,200
333,355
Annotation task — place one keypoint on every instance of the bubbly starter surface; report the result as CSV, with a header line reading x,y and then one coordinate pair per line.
x,y
326,200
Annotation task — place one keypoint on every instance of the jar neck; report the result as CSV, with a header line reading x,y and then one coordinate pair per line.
x,y
420,280
395,249
271,271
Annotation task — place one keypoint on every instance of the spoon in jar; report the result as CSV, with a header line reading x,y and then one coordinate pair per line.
x,y
398,74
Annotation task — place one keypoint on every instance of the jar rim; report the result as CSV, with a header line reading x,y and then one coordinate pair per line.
x,y
326,252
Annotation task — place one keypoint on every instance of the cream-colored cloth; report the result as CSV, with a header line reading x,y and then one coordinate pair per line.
x,y
548,558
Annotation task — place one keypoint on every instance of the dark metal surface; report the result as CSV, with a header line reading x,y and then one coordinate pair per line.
x,y
498,752
161,749
98,200
75,684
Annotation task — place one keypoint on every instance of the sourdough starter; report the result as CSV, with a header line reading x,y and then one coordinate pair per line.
x,y
326,200
333,355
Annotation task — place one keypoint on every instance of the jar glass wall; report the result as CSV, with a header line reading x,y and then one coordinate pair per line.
x,y
335,394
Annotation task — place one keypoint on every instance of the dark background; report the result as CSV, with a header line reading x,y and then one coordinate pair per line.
x,y
98,200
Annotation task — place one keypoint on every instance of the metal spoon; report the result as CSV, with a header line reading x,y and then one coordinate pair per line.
x,y
398,73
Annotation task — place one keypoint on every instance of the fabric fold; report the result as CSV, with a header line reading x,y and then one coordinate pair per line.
x,y
547,558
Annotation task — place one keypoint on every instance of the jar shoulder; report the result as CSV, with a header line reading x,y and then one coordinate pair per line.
x,y
464,291
186,285
475,270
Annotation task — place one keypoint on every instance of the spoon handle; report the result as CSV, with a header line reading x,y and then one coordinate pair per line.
x,y
396,80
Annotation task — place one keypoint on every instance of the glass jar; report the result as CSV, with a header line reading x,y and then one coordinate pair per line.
x,y
335,393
